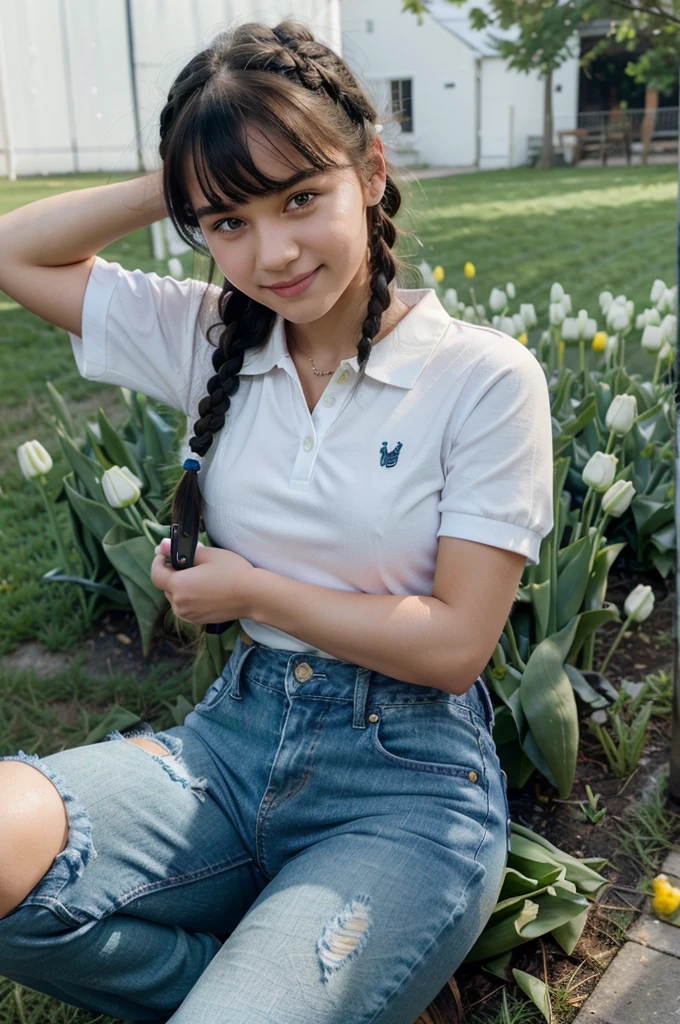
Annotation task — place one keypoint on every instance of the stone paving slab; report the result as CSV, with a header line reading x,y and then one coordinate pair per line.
x,y
640,986
649,931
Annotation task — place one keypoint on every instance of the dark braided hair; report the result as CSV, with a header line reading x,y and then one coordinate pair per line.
x,y
285,82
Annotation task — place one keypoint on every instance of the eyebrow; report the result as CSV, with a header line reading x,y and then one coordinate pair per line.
x,y
283,186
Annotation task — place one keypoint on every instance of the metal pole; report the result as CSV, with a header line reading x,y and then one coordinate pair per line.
x,y
674,775
6,117
133,82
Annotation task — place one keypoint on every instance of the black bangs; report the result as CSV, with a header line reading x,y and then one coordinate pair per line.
x,y
214,135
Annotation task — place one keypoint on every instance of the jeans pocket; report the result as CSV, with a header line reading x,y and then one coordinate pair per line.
x,y
432,736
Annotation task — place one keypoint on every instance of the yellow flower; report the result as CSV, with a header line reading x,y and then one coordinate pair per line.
x,y
523,338
600,341
666,897
469,269
438,274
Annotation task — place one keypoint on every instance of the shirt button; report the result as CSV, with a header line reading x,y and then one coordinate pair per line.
x,y
374,718
308,444
343,378
329,401
472,776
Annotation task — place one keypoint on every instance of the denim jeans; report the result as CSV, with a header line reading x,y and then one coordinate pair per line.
x,y
322,844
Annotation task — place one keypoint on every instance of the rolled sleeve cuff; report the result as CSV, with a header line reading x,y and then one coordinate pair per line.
x,y
89,350
491,531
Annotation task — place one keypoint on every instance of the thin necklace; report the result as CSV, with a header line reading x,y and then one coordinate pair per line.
x,y
319,373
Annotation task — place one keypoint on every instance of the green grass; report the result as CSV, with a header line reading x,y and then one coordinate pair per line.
x,y
590,229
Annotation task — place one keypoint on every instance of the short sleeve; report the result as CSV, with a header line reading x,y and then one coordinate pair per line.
x,y
141,331
499,470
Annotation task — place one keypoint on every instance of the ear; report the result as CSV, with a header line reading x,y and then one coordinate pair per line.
x,y
376,188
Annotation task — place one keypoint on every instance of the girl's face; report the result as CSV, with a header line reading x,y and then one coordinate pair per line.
x,y
318,227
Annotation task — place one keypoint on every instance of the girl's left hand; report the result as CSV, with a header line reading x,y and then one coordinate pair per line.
x,y
214,589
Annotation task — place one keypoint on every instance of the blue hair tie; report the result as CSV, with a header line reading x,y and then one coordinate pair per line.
x,y
191,464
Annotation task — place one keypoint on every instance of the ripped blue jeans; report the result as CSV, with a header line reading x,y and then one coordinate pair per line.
x,y
321,844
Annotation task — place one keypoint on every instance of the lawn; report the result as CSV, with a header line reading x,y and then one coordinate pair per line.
x,y
590,229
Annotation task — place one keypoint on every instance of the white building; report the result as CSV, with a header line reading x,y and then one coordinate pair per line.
x,y
460,103
81,90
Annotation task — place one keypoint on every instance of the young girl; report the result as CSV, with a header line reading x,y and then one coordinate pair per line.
x,y
324,838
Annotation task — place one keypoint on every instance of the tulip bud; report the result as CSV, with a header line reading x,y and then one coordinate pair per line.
x,y
569,329
669,329
523,338
119,490
469,314
612,345
498,300
506,325
605,299
666,303
425,269
450,301
658,288
519,325
618,318
438,274
616,500
599,471
528,314
566,302
510,289
621,413
664,351
34,460
556,292
469,269
556,313
131,477
651,338
599,341
589,329
639,604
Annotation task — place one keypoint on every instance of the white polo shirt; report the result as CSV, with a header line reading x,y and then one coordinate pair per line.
x,y
449,434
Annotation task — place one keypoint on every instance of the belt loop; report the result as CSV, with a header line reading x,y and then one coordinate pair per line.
x,y
240,653
361,697
486,701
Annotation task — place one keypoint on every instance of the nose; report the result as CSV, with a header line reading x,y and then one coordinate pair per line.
x,y
276,249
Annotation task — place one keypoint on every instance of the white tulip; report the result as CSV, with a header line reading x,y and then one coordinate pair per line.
x,y
556,313
556,292
428,277
666,303
621,299
612,346
510,289
617,317
566,302
131,477
520,326
616,500
482,308
569,329
630,308
528,314
621,413
664,351
498,300
450,301
651,338
175,267
507,326
589,329
658,288
119,490
469,314
34,460
639,604
669,329
605,300
599,471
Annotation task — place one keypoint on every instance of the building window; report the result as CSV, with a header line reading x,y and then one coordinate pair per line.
x,y
402,102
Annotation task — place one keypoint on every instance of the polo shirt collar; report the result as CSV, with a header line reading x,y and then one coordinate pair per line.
x,y
397,359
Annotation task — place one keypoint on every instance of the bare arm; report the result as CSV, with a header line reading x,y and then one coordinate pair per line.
x,y
47,247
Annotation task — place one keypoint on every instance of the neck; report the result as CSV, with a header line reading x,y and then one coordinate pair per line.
x,y
334,336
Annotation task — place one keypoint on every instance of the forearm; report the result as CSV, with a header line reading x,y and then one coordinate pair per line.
x,y
411,638
72,226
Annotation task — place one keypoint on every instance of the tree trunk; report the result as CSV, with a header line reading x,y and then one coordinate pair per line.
x,y
546,161
649,121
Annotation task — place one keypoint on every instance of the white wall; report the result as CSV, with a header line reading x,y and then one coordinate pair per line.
x,y
443,118
66,99
503,89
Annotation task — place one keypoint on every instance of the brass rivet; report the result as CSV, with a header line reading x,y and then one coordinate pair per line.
x,y
374,718
303,671
472,776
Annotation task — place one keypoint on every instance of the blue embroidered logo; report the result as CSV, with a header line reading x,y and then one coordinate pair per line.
x,y
389,458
